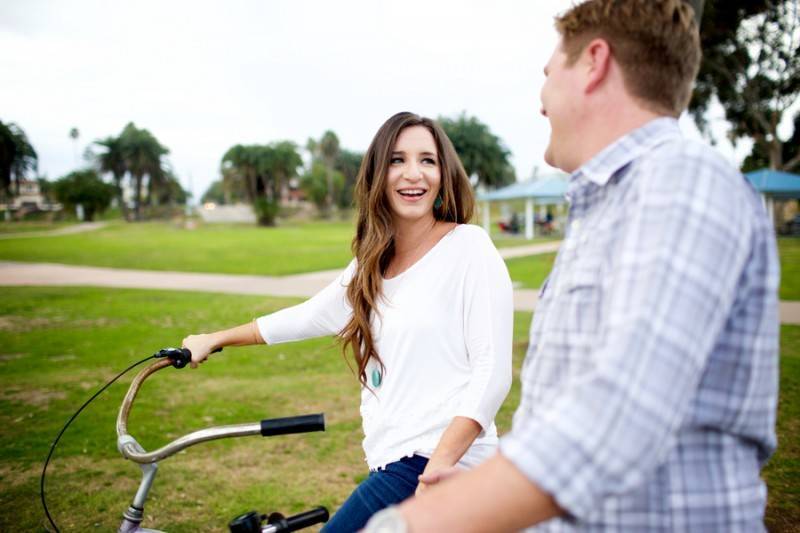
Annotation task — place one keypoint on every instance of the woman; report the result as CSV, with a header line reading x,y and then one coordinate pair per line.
x,y
426,309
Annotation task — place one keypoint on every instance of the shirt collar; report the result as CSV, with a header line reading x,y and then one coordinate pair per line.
x,y
618,154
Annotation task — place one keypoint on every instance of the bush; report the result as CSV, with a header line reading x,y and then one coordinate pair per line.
x,y
84,187
266,211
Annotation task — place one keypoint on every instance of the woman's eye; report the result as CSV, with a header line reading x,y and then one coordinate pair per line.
x,y
396,160
429,161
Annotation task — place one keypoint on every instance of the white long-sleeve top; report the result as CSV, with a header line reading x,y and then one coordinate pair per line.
x,y
443,330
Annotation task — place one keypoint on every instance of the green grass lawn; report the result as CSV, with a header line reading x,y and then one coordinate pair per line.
x,y
58,345
529,272
789,250
229,249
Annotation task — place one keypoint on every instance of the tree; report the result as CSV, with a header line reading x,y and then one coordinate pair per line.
x,y
341,168
758,159
283,164
215,193
142,153
318,183
112,160
328,149
17,157
348,164
170,191
481,152
137,154
751,64
265,170
234,188
84,187
239,165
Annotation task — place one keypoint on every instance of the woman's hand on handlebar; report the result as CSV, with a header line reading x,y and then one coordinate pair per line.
x,y
201,346
204,344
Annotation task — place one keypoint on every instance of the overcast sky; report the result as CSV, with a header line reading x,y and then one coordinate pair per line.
x,y
203,76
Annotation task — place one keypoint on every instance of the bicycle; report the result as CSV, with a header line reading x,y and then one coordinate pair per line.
x,y
130,449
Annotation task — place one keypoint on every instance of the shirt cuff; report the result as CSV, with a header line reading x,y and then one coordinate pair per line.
x,y
262,323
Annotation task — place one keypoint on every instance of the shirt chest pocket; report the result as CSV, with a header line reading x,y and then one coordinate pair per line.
x,y
582,297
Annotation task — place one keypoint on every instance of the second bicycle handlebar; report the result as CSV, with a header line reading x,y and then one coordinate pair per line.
x,y
179,358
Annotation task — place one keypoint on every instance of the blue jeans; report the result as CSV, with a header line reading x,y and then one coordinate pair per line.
x,y
381,489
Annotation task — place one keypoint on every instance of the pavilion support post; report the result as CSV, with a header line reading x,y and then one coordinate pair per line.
x,y
771,209
529,218
486,217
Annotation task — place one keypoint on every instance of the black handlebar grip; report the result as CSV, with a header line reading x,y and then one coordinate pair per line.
x,y
180,357
318,515
293,424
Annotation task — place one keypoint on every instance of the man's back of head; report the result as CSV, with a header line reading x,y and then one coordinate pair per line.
x,y
619,64
655,42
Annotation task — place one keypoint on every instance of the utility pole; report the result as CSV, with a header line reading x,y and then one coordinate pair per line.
x,y
74,134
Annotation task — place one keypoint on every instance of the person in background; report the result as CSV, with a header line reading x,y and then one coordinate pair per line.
x,y
650,385
426,309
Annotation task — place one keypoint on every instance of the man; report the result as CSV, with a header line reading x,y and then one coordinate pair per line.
x,y
650,384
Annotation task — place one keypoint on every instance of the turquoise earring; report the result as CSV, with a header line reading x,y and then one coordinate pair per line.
x,y
438,202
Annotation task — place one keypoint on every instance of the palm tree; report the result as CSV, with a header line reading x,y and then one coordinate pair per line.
x,y
142,153
112,161
17,157
329,151
263,170
285,161
239,161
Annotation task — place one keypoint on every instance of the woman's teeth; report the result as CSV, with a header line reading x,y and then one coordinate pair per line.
x,y
412,192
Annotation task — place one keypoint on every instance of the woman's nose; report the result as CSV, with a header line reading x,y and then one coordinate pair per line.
x,y
412,172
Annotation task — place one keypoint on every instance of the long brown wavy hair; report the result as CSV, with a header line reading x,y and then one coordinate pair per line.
x,y
373,244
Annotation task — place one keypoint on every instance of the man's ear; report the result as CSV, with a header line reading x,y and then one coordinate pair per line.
x,y
597,62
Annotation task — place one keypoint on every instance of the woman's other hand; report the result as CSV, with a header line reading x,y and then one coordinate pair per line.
x,y
434,475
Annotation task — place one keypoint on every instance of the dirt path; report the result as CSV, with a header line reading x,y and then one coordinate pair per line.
x,y
300,285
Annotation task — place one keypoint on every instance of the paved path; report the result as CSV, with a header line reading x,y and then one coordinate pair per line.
x,y
68,230
529,249
300,285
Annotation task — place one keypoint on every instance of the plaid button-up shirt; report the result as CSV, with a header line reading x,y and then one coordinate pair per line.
x,y
650,385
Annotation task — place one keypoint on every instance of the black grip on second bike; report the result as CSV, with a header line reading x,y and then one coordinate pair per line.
x,y
292,424
299,521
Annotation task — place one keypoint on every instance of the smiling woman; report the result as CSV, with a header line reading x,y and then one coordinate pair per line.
x,y
425,308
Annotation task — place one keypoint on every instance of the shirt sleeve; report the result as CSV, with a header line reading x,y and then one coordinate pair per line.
x,y
488,330
326,313
683,249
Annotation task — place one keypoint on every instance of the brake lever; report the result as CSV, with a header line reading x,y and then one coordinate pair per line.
x,y
180,357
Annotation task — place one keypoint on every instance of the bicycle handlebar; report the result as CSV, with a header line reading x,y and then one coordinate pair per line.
x,y
276,522
292,424
178,358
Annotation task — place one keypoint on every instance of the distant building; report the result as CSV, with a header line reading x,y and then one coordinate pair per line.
x,y
29,200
